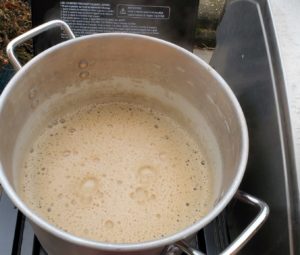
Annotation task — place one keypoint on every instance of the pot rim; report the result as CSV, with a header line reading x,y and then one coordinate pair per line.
x,y
180,235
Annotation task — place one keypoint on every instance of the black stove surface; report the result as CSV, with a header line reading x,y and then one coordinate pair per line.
x,y
248,59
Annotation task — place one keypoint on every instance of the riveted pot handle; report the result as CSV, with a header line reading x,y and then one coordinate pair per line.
x,y
30,34
243,238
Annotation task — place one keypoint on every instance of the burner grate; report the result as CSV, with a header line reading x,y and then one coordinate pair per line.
x,y
16,234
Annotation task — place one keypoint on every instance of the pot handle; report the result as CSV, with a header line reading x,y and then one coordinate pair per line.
x,y
242,239
30,34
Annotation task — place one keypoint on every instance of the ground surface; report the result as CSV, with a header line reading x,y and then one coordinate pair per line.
x,y
15,19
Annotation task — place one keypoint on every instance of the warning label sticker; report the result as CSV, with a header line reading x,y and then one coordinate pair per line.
x,y
143,11
170,20
89,18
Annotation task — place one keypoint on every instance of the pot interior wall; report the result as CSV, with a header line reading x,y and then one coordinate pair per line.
x,y
95,68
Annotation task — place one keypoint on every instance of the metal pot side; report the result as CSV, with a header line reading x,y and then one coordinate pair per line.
x,y
95,58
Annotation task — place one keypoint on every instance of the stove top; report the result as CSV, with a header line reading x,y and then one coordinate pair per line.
x,y
247,57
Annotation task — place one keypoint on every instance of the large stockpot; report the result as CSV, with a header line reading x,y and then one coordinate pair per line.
x,y
91,64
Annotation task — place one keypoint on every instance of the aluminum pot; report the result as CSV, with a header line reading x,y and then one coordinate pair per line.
x,y
153,66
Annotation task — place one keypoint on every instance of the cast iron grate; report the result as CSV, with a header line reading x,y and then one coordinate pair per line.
x,y
16,234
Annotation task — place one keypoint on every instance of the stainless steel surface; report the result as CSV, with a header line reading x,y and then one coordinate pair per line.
x,y
285,15
287,137
184,247
254,226
85,68
32,33
245,236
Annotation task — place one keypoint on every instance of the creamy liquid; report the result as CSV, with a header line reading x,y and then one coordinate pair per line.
x,y
117,172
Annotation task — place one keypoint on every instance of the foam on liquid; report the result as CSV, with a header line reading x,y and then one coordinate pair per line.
x,y
117,172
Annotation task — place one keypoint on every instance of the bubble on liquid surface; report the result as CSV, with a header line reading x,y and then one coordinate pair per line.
x,y
34,103
72,130
32,93
147,174
66,153
84,74
140,195
83,64
89,186
62,120
109,224
162,156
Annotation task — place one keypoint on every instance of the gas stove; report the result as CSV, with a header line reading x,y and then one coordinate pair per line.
x,y
248,59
